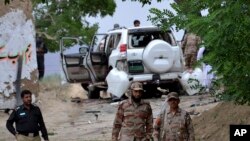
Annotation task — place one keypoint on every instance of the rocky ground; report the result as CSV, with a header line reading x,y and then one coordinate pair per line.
x,y
84,120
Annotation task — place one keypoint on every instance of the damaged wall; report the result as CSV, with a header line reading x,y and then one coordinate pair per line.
x,y
17,39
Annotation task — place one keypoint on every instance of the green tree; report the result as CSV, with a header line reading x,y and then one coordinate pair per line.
x,y
225,32
57,18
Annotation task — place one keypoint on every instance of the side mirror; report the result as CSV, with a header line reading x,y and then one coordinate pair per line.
x,y
83,50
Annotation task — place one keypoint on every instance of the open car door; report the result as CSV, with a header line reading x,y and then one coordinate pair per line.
x,y
97,59
73,51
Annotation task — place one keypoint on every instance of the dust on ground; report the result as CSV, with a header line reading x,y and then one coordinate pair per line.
x,y
213,125
85,120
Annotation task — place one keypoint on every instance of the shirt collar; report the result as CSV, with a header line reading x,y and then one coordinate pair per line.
x,y
22,107
133,103
178,110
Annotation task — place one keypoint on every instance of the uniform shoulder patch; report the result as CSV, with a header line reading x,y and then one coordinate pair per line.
x,y
124,103
146,102
17,108
185,114
34,105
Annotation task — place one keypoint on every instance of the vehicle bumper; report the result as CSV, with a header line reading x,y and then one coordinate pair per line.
x,y
155,77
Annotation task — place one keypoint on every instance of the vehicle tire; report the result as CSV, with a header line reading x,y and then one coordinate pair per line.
x,y
157,94
146,95
158,56
151,91
94,94
176,87
115,98
85,86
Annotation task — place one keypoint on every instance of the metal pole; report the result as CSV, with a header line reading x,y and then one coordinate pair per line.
x,y
18,80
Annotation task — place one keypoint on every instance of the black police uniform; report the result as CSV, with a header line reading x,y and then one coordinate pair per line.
x,y
27,121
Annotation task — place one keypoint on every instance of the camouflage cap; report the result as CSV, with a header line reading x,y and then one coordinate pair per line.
x,y
136,86
173,95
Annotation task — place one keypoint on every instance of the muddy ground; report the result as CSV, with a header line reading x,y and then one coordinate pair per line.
x,y
91,120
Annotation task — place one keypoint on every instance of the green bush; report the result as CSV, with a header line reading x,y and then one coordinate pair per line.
x,y
226,35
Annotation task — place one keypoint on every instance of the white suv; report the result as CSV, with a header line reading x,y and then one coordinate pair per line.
x,y
144,54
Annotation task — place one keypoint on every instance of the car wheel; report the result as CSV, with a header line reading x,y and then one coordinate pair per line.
x,y
176,87
94,94
85,86
158,95
158,56
115,98
151,91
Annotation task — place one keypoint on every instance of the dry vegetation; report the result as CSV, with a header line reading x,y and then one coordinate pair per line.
x,y
213,125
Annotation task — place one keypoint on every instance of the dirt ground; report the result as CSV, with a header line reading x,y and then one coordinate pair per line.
x,y
91,120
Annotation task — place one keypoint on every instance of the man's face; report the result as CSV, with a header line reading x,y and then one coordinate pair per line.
x,y
137,24
101,46
173,103
136,95
27,99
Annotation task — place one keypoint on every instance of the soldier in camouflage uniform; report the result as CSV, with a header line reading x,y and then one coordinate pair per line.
x,y
173,123
134,119
190,49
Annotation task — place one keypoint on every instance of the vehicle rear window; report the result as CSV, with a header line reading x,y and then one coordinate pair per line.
x,y
142,39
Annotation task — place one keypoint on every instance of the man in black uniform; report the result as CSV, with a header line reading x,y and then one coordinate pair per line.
x,y
28,120
41,49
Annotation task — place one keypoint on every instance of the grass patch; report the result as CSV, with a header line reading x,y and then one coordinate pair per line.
x,y
51,81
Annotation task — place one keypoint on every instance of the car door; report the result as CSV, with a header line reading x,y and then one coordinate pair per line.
x,y
72,52
97,60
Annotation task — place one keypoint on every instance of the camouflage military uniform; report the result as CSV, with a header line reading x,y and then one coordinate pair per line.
x,y
190,48
169,127
133,122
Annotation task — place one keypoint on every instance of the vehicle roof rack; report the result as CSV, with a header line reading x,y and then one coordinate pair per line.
x,y
123,27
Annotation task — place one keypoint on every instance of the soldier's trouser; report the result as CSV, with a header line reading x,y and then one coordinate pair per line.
x,y
190,60
26,138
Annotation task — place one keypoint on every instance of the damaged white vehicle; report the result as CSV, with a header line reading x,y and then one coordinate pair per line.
x,y
115,59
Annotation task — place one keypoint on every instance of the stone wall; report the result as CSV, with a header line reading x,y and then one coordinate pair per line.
x,y
17,39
